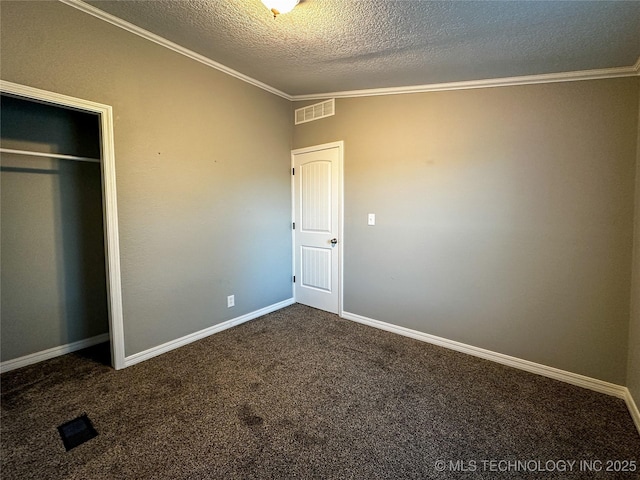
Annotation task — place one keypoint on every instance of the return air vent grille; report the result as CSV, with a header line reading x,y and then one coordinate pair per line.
x,y
316,111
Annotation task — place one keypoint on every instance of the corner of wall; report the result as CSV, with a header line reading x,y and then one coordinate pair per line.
x,y
633,359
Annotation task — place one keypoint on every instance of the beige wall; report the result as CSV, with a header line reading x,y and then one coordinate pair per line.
x,y
202,165
633,371
504,216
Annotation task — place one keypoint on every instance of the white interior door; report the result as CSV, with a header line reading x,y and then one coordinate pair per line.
x,y
317,217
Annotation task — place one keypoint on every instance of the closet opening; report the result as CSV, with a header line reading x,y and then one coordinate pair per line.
x,y
59,260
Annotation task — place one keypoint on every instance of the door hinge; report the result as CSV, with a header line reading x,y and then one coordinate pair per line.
x,y
294,279
294,225
293,171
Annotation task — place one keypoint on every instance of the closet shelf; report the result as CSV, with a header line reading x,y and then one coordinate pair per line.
x,y
58,156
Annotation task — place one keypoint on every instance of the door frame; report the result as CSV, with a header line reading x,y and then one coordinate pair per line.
x,y
109,201
340,235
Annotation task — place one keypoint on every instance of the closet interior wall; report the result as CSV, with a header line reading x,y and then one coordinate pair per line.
x,y
52,257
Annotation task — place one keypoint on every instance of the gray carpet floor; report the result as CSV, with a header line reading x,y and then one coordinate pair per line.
x,y
302,394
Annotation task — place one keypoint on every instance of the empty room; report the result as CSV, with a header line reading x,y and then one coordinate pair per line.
x,y
252,239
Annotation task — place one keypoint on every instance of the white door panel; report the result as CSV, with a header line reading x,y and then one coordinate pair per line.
x,y
316,268
316,199
317,216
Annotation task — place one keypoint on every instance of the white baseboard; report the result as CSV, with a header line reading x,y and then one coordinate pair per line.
x,y
633,409
532,367
551,372
52,352
179,342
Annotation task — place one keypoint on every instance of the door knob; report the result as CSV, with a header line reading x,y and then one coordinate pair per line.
x,y
334,241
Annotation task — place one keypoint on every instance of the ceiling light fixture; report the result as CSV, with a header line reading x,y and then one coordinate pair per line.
x,y
280,6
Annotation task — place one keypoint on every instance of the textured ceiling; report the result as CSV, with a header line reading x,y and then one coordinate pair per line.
x,y
337,45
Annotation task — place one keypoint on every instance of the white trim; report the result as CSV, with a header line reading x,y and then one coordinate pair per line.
x,y
633,408
32,358
532,367
293,230
109,197
340,145
57,156
341,223
598,74
141,32
112,239
595,74
179,342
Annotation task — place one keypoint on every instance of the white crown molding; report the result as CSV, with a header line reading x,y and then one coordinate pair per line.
x,y
179,342
141,32
37,357
616,72
598,74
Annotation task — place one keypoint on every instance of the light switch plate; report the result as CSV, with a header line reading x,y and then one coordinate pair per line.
x,y
371,219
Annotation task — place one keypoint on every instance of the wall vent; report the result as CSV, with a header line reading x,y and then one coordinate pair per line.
x,y
316,111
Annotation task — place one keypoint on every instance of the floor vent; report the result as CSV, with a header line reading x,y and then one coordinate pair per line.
x,y
316,111
76,432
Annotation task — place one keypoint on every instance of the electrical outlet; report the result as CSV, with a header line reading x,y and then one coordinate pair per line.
x,y
231,301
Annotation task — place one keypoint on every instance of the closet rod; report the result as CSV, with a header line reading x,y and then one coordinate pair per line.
x,y
58,156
